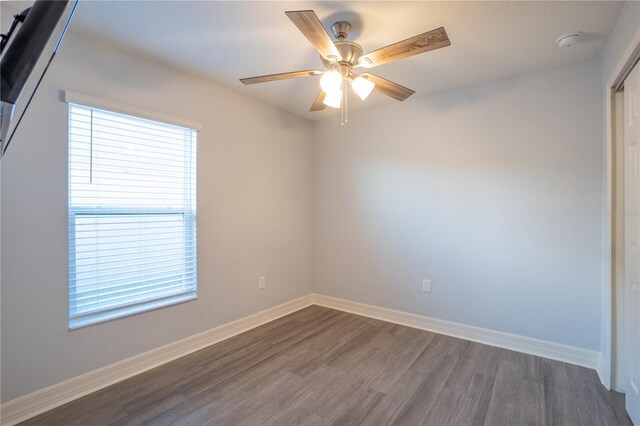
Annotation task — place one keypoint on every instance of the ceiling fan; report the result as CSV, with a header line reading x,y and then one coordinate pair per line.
x,y
341,57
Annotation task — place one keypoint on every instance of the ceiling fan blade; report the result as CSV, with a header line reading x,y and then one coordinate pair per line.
x,y
308,23
317,104
430,40
388,88
281,76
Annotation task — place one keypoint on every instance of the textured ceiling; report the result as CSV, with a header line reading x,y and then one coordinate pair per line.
x,y
225,41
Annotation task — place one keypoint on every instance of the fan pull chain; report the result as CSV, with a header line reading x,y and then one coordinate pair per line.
x,y
344,104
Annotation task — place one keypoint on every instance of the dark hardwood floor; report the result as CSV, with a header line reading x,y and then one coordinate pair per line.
x,y
321,366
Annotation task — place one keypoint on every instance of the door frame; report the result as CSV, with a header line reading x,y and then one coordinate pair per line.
x,y
609,367
617,245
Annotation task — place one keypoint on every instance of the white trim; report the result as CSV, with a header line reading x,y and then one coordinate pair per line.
x,y
607,305
601,370
543,348
27,406
92,101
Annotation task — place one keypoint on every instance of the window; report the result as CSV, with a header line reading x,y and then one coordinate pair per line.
x,y
132,215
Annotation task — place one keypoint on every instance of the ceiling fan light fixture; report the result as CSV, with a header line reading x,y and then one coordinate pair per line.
x,y
331,81
333,99
362,87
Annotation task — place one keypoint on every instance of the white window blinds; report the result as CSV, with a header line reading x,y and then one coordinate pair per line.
x,y
132,215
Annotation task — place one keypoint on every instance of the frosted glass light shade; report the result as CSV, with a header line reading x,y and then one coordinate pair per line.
x,y
362,87
333,99
330,81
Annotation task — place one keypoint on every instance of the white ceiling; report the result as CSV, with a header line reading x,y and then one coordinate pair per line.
x,y
225,41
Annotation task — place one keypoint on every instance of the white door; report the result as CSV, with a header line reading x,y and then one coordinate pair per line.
x,y
632,243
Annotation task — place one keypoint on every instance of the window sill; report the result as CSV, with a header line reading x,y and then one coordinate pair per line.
x,y
87,321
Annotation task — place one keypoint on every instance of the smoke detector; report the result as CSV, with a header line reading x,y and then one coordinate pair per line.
x,y
569,40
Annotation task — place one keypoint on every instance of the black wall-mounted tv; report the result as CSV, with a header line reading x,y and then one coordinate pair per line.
x,y
22,47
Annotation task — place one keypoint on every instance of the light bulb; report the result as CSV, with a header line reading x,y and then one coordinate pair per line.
x,y
362,87
365,62
333,99
330,81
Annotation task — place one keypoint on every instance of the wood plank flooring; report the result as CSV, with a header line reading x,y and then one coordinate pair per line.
x,y
320,366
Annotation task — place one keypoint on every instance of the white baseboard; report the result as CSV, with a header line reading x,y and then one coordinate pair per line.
x,y
604,371
514,342
38,402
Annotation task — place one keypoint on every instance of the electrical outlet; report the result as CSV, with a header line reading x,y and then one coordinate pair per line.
x,y
426,286
262,281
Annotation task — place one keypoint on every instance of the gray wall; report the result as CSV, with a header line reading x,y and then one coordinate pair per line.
x,y
493,192
255,174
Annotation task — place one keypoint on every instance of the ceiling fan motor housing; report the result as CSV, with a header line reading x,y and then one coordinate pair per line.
x,y
349,51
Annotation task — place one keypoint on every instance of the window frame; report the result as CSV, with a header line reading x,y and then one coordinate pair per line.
x,y
75,320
